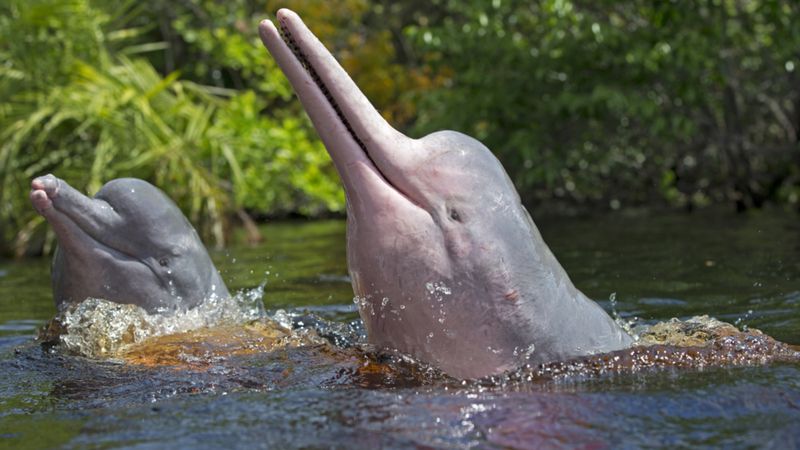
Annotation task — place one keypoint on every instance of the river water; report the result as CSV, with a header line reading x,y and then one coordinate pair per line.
x,y
742,269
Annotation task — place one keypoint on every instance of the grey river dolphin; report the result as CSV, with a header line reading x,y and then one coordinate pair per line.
x,y
129,244
446,263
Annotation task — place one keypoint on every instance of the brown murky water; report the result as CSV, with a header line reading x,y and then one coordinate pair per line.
x,y
257,384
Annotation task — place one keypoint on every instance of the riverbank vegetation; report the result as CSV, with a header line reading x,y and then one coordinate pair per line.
x,y
587,103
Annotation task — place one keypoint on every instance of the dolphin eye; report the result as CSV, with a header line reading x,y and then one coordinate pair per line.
x,y
454,215
163,262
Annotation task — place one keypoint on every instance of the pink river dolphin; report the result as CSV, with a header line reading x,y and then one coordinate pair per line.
x,y
446,264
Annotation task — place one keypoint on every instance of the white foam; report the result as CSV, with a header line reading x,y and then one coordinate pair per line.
x,y
99,328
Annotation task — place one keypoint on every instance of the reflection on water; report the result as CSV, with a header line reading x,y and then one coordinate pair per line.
x,y
326,393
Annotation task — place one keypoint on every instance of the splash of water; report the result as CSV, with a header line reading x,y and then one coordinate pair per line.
x,y
627,325
694,343
741,322
98,328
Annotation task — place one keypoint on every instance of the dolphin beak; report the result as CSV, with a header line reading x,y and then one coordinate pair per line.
x,y
354,133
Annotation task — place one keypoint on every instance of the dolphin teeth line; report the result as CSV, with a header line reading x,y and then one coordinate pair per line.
x,y
286,35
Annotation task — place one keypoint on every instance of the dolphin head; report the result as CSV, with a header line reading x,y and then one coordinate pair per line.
x,y
445,261
128,244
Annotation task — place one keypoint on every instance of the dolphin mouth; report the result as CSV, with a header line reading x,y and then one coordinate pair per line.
x,y
86,238
301,57
91,238
286,35
73,234
361,137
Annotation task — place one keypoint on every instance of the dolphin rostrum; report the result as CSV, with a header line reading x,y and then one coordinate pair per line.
x,y
129,244
445,261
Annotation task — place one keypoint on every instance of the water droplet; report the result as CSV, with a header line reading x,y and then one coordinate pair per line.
x,y
612,299
495,351
437,290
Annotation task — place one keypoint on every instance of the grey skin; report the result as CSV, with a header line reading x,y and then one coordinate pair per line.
x,y
446,263
129,244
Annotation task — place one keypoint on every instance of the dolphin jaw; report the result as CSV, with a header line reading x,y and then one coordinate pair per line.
x,y
62,220
368,145
115,253
286,35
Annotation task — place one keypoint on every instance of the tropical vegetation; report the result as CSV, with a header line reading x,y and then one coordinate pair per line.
x,y
587,103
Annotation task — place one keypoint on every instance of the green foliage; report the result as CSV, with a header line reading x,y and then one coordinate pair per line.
x,y
78,129
216,44
272,161
683,103
689,102
83,103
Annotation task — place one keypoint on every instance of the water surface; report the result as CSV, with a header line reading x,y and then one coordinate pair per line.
x,y
744,269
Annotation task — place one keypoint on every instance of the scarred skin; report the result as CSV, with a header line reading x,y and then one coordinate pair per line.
x,y
129,244
446,263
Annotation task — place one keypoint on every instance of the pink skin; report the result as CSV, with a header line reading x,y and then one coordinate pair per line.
x,y
446,264
41,194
